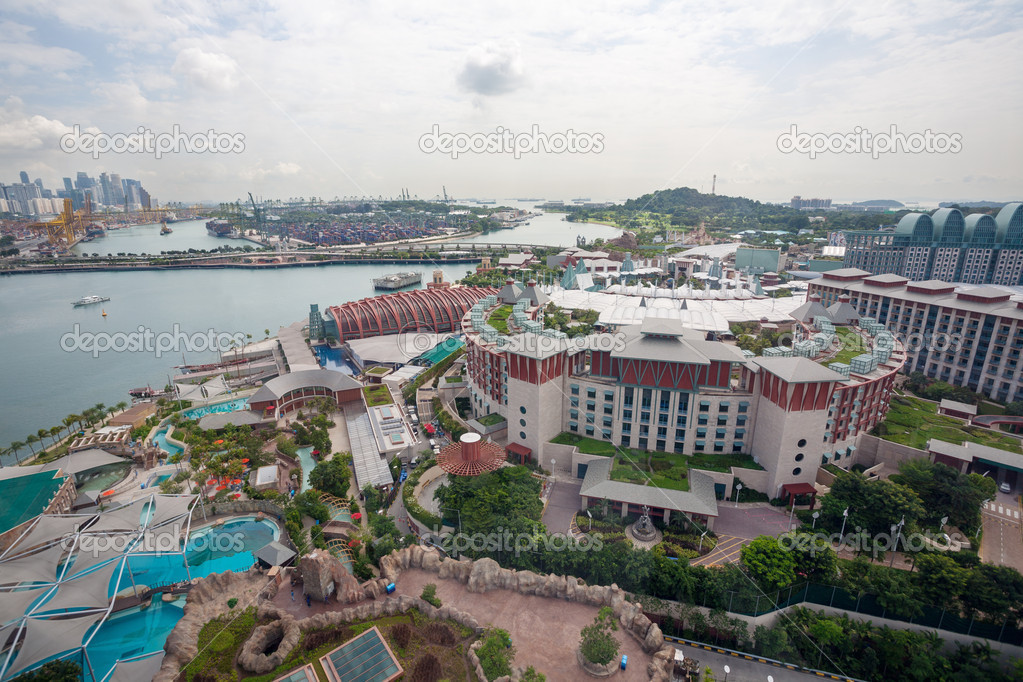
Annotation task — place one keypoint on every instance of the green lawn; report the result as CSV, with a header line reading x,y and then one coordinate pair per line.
x,y
984,407
662,469
911,421
499,318
456,379
378,370
852,345
490,419
377,395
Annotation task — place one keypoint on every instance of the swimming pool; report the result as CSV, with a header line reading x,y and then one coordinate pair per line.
x,y
305,457
160,441
132,632
232,406
101,477
211,549
157,479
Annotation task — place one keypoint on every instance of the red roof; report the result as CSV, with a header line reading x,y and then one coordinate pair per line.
x,y
452,460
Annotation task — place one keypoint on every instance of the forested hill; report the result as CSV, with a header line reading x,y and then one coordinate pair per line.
x,y
668,200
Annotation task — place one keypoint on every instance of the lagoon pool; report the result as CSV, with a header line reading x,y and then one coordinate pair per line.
x,y
160,441
132,632
232,406
102,477
305,457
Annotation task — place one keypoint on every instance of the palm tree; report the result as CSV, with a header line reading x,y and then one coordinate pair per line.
x,y
13,449
30,441
122,406
55,433
69,421
99,410
43,433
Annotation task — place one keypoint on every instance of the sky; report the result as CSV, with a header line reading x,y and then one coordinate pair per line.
x,y
348,99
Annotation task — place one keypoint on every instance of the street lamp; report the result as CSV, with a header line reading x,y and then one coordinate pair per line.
x,y
701,539
727,670
897,531
738,487
816,515
845,517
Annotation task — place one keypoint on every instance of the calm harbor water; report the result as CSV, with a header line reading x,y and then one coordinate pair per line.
x,y
45,382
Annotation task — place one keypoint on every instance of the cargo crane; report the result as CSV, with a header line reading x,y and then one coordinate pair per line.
x,y
257,216
64,230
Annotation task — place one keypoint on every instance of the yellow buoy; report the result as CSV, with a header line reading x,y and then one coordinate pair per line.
x,y
104,313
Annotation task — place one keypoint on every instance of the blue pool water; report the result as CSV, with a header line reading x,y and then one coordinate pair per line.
x,y
133,632
305,457
332,358
210,550
160,441
232,406
157,480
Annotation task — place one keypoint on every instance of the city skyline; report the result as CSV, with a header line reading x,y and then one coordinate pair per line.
x,y
677,94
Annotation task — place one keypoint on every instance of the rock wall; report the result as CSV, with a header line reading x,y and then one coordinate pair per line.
x,y
485,575
206,600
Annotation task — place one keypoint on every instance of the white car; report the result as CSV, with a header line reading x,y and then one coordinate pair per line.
x,y
1005,488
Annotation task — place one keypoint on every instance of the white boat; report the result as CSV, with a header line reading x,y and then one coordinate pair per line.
x,y
89,300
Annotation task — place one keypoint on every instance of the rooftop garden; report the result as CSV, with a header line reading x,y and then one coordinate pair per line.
x,y
377,395
499,319
377,371
852,345
912,421
661,469
490,419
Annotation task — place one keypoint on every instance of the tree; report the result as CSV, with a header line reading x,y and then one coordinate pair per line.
x,y
31,440
54,671
770,564
54,433
332,476
1014,409
597,642
940,580
15,446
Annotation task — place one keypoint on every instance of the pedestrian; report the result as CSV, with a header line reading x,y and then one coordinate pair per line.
x,y
324,600
308,600
292,594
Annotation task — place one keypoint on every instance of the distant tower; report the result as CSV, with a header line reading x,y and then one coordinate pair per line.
x,y
24,178
714,184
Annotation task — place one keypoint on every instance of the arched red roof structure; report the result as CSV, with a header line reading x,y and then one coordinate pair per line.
x,y
435,310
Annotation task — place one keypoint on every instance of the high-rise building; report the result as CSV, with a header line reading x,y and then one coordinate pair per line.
x,y
963,334
67,185
24,178
975,249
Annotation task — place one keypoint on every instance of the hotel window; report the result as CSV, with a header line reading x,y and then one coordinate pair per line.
x,y
646,397
740,434
743,406
627,414
626,441
641,443
720,433
575,389
662,432
699,446
701,433
740,421
719,446
589,430
626,428
574,414
607,421
704,406
680,434
722,421
591,405
573,426
702,420
591,393
574,402
609,395
723,406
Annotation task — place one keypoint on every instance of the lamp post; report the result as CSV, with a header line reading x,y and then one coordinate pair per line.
x,y
816,515
845,517
897,531
727,670
738,487
701,540
792,510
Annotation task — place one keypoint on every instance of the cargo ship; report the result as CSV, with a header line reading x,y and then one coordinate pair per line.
x,y
398,280
222,228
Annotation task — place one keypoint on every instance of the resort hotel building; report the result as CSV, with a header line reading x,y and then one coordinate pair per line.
x,y
659,386
966,335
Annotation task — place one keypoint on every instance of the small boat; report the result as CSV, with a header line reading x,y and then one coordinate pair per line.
x,y
89,300
164,229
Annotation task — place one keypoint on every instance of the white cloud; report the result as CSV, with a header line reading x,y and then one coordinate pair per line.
x,y
21,131
208,70
258,173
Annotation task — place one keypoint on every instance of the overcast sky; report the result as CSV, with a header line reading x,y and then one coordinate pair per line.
x,y
333,98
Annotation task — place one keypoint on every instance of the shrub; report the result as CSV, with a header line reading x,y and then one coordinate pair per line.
x,y
440,634
314,639
429,595
232,602
597,643
402,635
496,654
426,669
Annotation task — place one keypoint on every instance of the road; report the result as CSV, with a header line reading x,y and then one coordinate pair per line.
x,y
1003,537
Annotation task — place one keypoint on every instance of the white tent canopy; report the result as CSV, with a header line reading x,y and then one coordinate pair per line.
x,y
45,638
41,566
14,604
90,591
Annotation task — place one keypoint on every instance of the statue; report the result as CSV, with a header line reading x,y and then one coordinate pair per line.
x,y
644,529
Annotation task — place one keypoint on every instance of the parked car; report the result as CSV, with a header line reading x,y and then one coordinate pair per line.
x,y
1005,488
